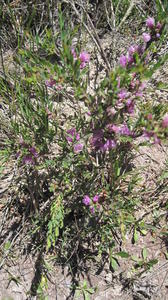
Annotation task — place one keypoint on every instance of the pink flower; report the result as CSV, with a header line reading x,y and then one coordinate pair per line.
x,y
150,22
130,106
92,210
151,134
131,51
114,128
124,130
18,154
146,37
132,84
142,86
86,200
33,151
108,145
158,35
109,127
147,134
78,148
50,83
59,87
96,140
141,49
130,59
122,94
74,53
30,157
123,61
156,140
28,160
149,117
72,134
84,58
165,121
96,198
159,25
139,94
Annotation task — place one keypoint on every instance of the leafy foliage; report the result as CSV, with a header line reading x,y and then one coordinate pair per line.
x,y
76,146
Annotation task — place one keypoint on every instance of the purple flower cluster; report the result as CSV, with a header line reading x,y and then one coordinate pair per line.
x,y
165,121
109,144
121,129
150,23
91,203
50,83
78,148
84,58
97,139
86,200
146,37
130,106
74,136
151,135
135,89
99,143
127,60
31,155
122,94
123,61
126,96
155,30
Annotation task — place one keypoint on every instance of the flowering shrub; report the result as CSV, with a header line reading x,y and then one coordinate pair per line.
x,y
86,155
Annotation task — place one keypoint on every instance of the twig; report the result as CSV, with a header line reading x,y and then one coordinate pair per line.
x,y
118,5
11,244
113,14
3,67
162,6
129,10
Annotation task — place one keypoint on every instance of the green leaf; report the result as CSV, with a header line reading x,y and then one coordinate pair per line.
x,y
135,237
164,175
152,262
162,85
86,296
123,254
144,253
90,291
7,245
114,263
143,231
135,258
